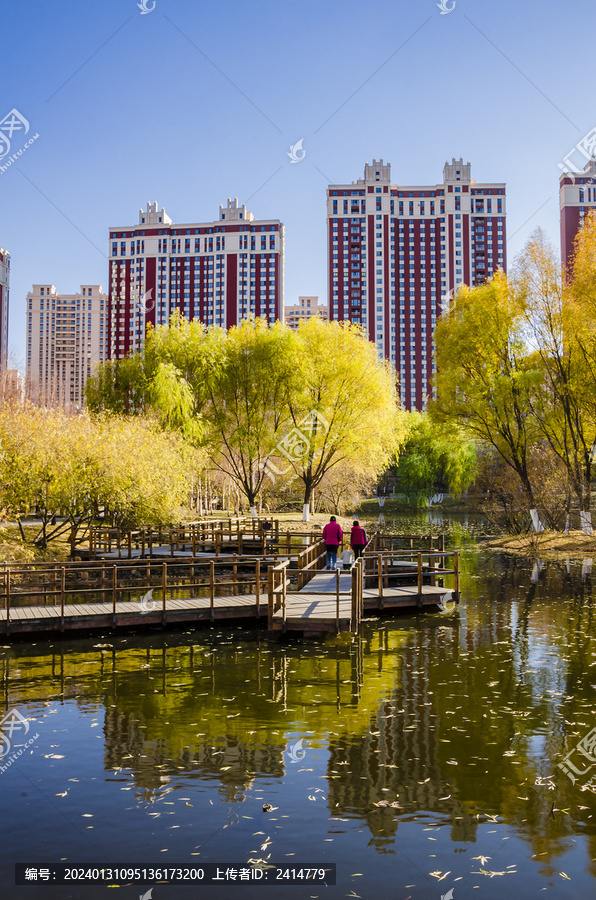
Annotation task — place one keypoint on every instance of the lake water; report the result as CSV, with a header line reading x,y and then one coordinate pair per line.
x,y
160,750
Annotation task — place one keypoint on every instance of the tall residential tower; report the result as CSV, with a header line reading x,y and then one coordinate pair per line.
x,y
396,254
220,273
65,340
577,195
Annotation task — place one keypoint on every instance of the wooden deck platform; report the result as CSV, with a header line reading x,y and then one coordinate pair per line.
x,y
129,614
37,599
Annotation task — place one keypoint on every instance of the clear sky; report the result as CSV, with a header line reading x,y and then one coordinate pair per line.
x,y
194,102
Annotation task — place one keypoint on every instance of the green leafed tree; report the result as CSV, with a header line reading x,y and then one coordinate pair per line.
x,y
434,457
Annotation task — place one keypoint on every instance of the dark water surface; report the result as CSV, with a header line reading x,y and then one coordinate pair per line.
x,y
163,748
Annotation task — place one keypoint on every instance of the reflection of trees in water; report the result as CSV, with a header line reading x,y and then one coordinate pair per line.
x,y
491,702
503,688
229,760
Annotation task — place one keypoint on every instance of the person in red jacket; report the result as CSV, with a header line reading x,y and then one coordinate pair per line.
x,y
358,539
333,536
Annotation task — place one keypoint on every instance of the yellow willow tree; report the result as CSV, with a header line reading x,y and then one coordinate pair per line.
x,y
343,406
74,468
248,411
561,328
485,376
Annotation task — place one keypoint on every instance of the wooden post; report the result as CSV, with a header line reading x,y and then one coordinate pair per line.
x,y
114,582
361,590
235,575
142,542
354,608
456,574
217,543
419,579
7,572
283,594
130,544
442,550
270,597
164,584
211,590
380,575
240,538
258,582
288,542
337,600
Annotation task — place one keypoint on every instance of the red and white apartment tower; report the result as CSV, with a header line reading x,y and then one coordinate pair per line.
x,y
220,273
577,196
397,253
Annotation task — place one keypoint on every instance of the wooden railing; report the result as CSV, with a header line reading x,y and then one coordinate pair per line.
x,y
420,565
277,584
283,576
309,561
380,542
58,585
244,537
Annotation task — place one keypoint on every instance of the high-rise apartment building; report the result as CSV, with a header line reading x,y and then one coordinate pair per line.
x,y
397,253
305,309
220,273
577,195
66,338
4,290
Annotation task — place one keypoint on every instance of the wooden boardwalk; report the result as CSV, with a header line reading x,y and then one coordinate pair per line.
x,y
290,595
130,614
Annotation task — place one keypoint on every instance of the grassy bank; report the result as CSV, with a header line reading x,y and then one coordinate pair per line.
x,y
551,544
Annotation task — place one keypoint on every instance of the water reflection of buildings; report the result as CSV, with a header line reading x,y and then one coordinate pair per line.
x,y
396,706
399,759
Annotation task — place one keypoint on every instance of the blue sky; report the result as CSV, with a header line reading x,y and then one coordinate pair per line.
x,y
195,102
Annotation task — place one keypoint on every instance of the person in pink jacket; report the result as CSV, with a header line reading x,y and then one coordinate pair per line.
x,y
333,536
358,539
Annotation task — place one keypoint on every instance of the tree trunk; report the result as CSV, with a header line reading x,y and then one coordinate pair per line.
x,y
306,501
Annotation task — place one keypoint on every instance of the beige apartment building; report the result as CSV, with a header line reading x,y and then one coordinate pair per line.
x,y
66,338
305,309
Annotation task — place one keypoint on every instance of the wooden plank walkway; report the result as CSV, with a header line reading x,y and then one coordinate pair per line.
x,y
129,614
322,601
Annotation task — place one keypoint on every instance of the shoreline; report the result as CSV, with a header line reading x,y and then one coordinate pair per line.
x,y
553,544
